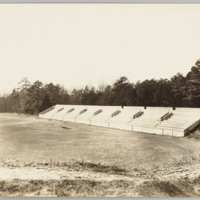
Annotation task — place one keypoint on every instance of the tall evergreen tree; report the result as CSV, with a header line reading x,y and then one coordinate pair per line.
x,y
45,104
192,87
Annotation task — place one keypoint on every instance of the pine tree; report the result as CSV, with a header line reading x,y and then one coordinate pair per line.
x,y
45,104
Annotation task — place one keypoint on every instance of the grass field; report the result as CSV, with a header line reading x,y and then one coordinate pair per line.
x,y
39,158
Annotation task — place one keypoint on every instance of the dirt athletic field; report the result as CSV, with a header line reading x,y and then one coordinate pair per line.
x,y
40,158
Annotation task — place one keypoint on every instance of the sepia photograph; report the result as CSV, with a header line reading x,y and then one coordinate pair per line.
x,y
99,100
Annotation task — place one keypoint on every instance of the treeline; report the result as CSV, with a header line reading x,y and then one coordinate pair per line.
x,y
179,91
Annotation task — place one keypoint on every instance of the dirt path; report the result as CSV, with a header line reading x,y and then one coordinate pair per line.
x,y
89,179
32,173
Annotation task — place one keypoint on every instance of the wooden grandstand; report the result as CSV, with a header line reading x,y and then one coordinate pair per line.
x,y
154,120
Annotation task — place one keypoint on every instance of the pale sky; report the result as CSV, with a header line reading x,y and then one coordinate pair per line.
x,y
78,44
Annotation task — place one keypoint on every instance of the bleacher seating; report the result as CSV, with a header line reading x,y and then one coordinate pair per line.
x,y
121,120
86,116
150,118
51,113
71,116
46,111
155,120
102,119
59,115
180,121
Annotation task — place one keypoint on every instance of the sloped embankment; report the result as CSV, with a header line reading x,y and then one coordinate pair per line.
x,y
90,179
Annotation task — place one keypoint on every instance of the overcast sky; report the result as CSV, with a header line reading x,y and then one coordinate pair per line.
x,y
75,45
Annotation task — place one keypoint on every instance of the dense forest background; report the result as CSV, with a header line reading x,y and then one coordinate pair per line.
x,y
179,91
